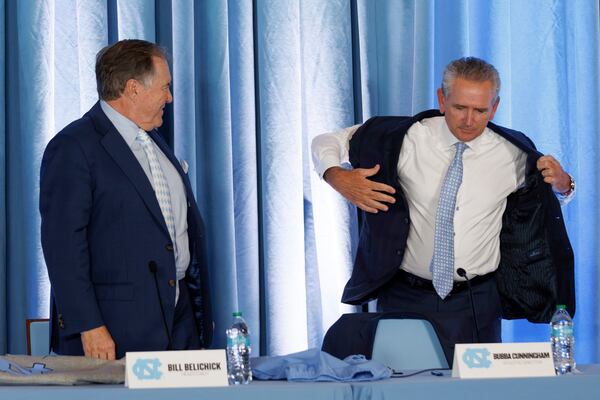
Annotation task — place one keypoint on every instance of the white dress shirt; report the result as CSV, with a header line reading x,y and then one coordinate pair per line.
x,y
493,169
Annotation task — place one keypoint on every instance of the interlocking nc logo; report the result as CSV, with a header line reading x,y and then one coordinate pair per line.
x,y
477,358
147,369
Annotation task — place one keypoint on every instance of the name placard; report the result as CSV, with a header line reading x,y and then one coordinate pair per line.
x,y
502,360
169,369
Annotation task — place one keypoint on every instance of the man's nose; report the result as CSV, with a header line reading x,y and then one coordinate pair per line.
x,y
169,97
469,118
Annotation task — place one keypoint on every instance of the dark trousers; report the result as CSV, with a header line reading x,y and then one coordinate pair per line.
x,y
453,314
185,333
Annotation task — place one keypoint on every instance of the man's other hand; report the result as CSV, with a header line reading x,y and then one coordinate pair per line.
x,y
554,174
355,186
98,343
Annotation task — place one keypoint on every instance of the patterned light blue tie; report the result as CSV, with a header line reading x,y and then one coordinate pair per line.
x,y
161,189
442,263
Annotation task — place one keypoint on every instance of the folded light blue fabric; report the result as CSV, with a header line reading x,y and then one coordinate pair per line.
x,y
59,370
15,369
316,365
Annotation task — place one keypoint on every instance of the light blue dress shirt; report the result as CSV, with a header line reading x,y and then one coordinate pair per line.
x,y
129,130
316,365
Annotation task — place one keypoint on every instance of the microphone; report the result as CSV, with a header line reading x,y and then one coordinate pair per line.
x,y
153,267
463,274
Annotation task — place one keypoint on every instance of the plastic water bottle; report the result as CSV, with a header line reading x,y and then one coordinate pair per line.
x,y
238,351
562,340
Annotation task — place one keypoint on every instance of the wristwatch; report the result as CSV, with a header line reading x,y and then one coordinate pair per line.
x,y
571,187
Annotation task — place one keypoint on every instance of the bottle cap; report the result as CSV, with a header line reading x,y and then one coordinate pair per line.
x,y
561,307
237,314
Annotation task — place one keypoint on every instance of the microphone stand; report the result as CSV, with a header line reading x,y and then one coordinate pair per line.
x,y
463,274
153,269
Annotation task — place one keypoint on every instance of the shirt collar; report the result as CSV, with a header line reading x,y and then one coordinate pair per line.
x,y
448,140
476,145
126,127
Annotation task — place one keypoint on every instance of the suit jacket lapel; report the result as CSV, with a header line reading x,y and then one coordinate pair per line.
x,y
195,225
117,148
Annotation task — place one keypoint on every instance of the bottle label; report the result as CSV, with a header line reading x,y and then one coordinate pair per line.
x,y
566,330
244,340
238,340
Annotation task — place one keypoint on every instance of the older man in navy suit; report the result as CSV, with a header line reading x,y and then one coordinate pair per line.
x,y
121,232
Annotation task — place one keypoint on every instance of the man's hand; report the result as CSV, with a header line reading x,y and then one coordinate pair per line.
x,y
353,184
554,174
98,343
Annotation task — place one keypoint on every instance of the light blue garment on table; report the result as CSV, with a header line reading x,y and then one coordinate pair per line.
x,y
15,369
59,370
316,365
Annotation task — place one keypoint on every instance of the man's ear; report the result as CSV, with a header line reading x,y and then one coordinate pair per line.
x,y
441,100
131,88
494,108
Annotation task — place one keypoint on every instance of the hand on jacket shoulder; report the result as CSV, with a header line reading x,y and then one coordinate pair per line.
x,y
355,186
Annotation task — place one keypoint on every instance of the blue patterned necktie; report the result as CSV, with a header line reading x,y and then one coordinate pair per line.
x,y
442,263
161,188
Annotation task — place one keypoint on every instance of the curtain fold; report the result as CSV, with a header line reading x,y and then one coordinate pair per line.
x,y
330,230
244,166
3,186
279,63
30,117
253,83
215,155
137,19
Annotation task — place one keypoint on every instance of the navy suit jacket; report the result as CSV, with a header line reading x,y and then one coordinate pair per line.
x,y
536,269
101,226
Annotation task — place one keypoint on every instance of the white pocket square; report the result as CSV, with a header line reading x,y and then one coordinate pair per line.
x,y
184,165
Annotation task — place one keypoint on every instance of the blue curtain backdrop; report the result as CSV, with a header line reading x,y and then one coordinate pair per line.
x,y
253,83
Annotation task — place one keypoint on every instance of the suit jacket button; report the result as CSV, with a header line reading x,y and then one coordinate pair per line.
x,y
169,247
172,282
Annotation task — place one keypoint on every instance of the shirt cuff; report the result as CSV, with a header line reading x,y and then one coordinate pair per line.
x,y
326,163
565,198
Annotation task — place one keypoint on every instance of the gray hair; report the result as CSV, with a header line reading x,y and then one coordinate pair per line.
x,y
471,69
124,60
